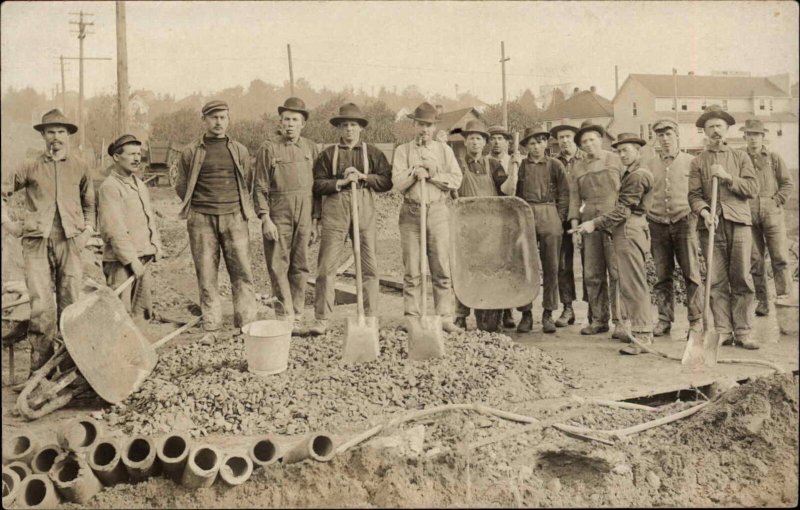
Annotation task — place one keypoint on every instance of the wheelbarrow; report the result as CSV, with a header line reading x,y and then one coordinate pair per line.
x,y
494,261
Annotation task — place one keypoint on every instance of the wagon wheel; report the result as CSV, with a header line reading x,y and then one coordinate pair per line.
x,y
173,175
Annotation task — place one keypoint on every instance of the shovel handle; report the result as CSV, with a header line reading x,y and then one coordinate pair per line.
x,y
423,243
710,253
356,247
127,283
20,301
177,332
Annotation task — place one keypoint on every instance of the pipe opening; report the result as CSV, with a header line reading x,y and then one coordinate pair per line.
x,y
174,447
19,469
35,492
68,470
44,459
138,450
104,454
88,433
265,450
322,446
237,465
205,458
21,444
8,484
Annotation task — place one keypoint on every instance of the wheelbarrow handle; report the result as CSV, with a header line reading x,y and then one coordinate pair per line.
x,y
20,301
177,332
127,283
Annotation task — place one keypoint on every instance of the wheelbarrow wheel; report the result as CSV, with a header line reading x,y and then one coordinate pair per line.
x,y
489,320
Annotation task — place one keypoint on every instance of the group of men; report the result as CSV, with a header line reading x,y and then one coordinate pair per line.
x,y
617,206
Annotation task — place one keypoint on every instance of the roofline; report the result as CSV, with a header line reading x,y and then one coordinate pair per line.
x,y
722,97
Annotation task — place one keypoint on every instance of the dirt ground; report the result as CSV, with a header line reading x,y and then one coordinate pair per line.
x,y
740,450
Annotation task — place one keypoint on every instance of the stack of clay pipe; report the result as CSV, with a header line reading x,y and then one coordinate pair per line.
x,y
83,460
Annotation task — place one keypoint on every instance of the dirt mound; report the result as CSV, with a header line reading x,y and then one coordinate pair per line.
x,y
208,389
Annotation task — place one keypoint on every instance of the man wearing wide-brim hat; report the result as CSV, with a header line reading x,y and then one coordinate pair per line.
x,y
288,210
628,226
542,182
673,229
128,227
338,167
594,182
425,158
769,225
731,283
58,217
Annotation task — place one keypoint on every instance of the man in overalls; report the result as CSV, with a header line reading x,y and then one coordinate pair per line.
x,y
425,158
337,167
595,183
285,204
482,177
628,225
542,182
769,225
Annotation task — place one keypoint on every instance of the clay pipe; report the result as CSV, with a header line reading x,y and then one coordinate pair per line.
x,y
202,467
80,434
11,483
21,447
139,458
73,478
37,491
172,452
236,469
44,458
315,446
106,462
21,469
265,451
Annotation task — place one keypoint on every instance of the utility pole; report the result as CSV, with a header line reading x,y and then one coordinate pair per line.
x,y
82,24
675,89
503,61
63,88
122,71
291,72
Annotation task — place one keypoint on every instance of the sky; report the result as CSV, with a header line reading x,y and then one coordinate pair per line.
x,y
186,47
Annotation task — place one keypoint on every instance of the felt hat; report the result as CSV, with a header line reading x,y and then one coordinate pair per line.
x,y
561,127
55,118
349,111
294,104
586,127
536,129
754,126
425,112
475,126
499,130
665,123
628,138
213,106
714,111
122,141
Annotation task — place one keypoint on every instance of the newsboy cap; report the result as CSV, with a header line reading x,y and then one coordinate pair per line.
x,y
55,118
213,106
121,142
754,126
665,123
714,111
294,104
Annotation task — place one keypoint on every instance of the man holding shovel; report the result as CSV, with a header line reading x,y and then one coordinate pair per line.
x,y
336,169
128,226
58,219
434,163
731,171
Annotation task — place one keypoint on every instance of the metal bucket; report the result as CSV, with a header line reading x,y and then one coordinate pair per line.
x,y
266,346
787,309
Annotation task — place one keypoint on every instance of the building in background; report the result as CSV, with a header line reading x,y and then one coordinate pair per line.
x,y
581,106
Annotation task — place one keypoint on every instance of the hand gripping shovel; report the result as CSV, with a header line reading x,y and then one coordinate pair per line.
x,y
424,332
360,333
703,346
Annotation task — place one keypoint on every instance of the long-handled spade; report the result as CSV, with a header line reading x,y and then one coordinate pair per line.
x,y
703,346
361,333
425,331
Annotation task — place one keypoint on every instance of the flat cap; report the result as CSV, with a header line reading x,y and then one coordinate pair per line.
x,y
214,105
665,123
123,140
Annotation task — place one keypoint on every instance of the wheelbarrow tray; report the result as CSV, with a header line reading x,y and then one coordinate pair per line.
x,y
494,257
106,346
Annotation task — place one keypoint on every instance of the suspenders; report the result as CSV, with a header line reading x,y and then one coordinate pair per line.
x,y
336,158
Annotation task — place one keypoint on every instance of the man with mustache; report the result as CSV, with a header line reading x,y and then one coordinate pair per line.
x,y
58,218
128,226
731,283
214,182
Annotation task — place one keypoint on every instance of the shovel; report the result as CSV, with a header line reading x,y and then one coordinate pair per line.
x,y
360,333
424,332
703,346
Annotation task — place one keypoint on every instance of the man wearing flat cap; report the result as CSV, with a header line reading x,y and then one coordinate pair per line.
x,y
769,226
128,226
288,210
569,155
628,226
482,177
424,158
731,282
673,228
338,167
57,220
214,182
542,182
594,183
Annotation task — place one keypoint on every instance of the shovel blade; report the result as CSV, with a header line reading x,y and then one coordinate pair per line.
x,y
693,353
360,340
425,338
710,348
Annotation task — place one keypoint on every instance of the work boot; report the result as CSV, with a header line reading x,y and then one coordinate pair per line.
x,y
662,328
548,326
594,328
567,317
747,341
299,328
319,327
525,323
726,339
620,333
451,327
209,338
632,349
508,320
762,310
461,322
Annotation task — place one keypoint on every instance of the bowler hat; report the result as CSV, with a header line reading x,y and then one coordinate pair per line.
x,y
754,126
425,112
586,127
628,138
120,142
475,126
294,104
499,130
213,106
349,111
714,111
562,127
536,129
665,123
55,118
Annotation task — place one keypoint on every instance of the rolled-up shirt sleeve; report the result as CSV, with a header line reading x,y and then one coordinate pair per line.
x,y
450,175
402,175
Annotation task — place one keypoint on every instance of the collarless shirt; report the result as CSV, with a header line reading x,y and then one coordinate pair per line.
x,y
670,198
447,173
544,182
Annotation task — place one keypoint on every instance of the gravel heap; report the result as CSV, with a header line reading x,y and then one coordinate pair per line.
x,y
208,389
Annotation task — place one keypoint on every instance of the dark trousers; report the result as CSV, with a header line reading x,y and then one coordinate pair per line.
x,y
631,245
769,234
600,276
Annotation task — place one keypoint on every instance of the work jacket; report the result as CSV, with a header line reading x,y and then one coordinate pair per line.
x,y
733,197
774,180
593,186
634,194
